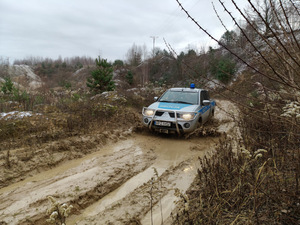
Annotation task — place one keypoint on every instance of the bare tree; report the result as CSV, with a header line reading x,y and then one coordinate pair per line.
x,y
134,55
4,66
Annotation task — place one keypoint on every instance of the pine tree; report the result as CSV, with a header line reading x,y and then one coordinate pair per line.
x,y
8,86
101,78
129,77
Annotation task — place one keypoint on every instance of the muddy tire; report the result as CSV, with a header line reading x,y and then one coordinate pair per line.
x,y
200,123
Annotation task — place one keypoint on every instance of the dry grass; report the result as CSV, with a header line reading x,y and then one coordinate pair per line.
x,y
62,128
61,115
259,184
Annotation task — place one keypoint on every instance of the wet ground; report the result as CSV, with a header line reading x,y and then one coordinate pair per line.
x,y
130,179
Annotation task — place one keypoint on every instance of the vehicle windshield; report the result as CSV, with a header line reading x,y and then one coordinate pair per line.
x,y
184,97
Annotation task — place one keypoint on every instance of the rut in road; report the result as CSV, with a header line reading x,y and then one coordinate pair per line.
x,y
176,166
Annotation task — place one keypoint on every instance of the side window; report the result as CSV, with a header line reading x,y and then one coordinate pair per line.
x,y
206,96
201,97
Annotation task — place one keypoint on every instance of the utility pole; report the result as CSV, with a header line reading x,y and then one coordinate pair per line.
x,y
153,37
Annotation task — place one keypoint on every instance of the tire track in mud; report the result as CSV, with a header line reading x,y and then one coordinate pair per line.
x,y
96,175
136,206
176,166
112,185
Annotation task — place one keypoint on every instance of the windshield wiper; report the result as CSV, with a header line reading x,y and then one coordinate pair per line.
x,y
183,102
165,101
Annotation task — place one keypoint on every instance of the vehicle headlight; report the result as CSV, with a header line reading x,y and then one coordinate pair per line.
x,y
149,112
187,116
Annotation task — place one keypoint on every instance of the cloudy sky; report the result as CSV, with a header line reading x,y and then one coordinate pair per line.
x,y
109,28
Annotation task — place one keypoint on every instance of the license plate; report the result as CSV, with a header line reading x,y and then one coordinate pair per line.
x,y
162,123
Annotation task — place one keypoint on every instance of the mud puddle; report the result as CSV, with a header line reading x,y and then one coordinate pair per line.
x,y
76,181
117,170
175,164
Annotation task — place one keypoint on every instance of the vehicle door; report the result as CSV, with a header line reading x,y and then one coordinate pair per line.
x,y
205,109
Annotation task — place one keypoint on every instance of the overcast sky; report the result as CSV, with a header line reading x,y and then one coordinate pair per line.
x,y
109,28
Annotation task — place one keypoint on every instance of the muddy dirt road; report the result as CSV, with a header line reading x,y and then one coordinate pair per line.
x,y
118,182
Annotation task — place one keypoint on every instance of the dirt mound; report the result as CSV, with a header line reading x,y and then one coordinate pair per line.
x,y
24,77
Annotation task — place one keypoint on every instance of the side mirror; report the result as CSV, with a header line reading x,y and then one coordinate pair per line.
x,y
205,102
155,99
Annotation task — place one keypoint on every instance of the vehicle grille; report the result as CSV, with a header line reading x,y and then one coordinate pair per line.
x,y
159,113
171,114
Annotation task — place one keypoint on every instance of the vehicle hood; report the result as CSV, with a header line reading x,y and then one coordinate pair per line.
x,y
173,106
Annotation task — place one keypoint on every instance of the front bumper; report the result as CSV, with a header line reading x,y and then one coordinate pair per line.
x,y
169,121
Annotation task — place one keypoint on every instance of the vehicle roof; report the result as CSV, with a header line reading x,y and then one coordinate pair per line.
x,y
186,89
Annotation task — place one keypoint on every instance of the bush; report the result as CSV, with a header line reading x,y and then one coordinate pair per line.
x,y
7,86
248,187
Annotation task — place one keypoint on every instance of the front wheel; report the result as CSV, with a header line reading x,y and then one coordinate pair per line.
x,y
199,122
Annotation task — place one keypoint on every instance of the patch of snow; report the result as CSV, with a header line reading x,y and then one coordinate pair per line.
x,y
105,94
78,71
213,84
132,89
115,75
16,115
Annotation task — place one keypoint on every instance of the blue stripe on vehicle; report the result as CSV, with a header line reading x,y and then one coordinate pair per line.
x,y
204,109
172,106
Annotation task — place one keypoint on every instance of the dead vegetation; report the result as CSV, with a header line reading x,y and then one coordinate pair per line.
x,y
249,187
257,183
65,129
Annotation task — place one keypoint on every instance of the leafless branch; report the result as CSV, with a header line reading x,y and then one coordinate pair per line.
x,y
233,53
289,25
221,21
280,76
273,33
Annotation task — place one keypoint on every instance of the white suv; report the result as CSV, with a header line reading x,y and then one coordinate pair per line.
x,y
179,110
